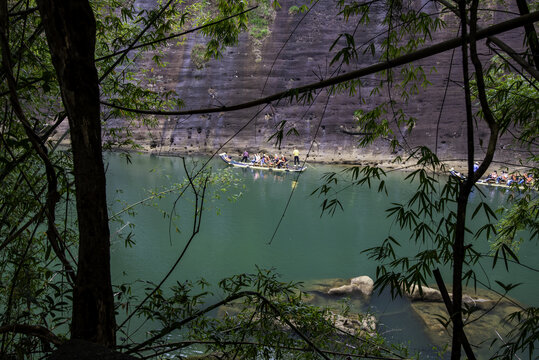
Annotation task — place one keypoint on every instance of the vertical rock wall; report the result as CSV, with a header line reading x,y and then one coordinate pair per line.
x,y
296,53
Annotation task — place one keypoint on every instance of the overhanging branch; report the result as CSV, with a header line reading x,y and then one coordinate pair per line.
x,y
401,60
531,35
179,324
503,46
32,330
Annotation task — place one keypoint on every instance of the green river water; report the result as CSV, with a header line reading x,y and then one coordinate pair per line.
x,y
235,236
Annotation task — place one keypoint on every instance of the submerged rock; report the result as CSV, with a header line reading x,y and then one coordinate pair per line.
x,y
322,286
482,319
343,290
355,324
424,293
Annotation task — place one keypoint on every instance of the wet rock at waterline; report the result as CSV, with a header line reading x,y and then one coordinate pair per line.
x,y
361,285
485,319
486,316
355,324
424,293
321,287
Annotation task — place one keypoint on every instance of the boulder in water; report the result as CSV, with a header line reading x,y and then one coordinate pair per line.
x,y
424,293
364,283
361,285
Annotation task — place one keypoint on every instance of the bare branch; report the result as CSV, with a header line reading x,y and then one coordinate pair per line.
x,y
22,13
449,308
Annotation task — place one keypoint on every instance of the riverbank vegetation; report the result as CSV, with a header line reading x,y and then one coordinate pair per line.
x,y
77,61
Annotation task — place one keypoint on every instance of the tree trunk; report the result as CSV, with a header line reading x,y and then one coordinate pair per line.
x,y
70,29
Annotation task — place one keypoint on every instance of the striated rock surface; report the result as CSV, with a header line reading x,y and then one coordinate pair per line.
x,y
288,58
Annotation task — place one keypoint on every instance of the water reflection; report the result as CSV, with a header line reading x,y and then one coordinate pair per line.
x,y
268,175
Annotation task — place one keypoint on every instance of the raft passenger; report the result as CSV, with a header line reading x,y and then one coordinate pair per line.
x,y
245,157
296,156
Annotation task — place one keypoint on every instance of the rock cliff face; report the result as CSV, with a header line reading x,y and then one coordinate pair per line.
x,y
296,52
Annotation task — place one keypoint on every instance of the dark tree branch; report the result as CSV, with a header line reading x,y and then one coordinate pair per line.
x,y
401,60
22,13
137,38
32,330
180,324
180,345
517,70
487,113
22,86
52,193
502,45
462,199
531,35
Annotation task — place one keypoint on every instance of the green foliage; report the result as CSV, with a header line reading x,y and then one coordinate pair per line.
x,y
279,135
514,101
525,336
198,56
268,317
431,215
38,218
523,214
259,317
260,20
294,9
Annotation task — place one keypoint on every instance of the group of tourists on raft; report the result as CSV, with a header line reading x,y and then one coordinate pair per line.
x,y
501,178
262,159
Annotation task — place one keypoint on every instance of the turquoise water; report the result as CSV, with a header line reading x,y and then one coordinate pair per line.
x,y
235,236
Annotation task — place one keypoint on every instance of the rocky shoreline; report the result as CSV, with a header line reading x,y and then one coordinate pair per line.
x,y
486,316
386,161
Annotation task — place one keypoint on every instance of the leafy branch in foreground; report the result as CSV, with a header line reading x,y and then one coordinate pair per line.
x,y
435,219
258,317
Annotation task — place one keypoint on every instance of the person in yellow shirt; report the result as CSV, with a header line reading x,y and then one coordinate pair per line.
x,y
296,156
